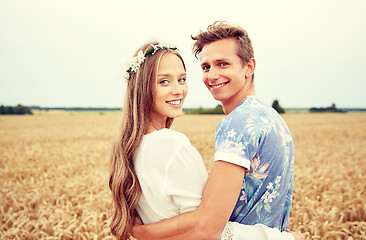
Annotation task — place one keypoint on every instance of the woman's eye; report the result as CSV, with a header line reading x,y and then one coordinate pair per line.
x,y
205,68
224,64
164,81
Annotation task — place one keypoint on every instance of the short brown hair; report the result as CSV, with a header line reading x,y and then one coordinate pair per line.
x,y
221,30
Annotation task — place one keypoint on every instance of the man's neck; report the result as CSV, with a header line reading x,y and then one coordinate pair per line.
x,y
231,104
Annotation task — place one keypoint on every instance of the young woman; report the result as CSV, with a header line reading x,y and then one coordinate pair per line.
x,y
155,172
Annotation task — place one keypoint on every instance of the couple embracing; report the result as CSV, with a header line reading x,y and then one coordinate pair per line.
x,y
159,184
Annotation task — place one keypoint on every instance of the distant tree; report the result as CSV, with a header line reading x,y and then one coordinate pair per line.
x,y
18,109
2,109
332,108
277,107
217,110
9,110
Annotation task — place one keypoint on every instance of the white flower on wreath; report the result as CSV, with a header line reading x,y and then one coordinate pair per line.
x,y
135,62
163,45
126,75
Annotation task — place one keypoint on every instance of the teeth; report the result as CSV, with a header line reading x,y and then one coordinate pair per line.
x,y
217,86
176,102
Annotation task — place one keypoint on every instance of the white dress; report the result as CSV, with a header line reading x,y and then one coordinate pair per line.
x,y
172,176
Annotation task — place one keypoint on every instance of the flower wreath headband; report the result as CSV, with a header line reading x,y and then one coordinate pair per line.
x,y
136,61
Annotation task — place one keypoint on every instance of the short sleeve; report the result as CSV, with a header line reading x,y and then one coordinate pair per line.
x,y
231,142
186,176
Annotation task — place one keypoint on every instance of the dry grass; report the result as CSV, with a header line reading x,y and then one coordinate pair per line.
x,y
54,173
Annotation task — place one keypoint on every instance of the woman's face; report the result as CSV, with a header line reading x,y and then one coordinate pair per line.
x,y
170,90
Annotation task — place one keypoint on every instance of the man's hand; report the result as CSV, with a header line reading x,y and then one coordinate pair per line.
x,y
137,226
138,220
297,235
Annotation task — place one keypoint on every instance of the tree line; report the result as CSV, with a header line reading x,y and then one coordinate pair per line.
x,y
18,109
332,108
218,109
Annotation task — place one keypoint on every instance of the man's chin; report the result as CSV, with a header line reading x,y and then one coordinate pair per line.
x,y
217,97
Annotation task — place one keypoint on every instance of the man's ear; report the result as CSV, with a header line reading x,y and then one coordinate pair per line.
x,y
250,67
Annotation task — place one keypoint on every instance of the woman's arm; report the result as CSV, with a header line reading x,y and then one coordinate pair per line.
x,y
209,220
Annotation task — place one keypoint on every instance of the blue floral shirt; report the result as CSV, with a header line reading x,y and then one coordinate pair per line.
x,y
255,136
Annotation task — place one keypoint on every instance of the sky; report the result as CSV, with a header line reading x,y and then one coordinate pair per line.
x,y
72,53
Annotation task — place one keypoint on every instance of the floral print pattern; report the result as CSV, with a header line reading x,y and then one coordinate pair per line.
x,y
256,135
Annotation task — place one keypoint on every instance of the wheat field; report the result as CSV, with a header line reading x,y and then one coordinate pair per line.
x,y
54,169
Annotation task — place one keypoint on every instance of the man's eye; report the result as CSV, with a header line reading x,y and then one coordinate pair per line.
x,y
182,80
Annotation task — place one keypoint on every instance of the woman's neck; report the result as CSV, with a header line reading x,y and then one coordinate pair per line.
x,y
152,126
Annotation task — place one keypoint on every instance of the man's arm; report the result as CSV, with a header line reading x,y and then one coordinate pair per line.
x,y
220,195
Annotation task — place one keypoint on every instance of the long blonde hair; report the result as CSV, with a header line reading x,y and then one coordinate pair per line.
x,y
123,182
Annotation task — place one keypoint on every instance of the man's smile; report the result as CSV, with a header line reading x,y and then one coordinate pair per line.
x,y
218,85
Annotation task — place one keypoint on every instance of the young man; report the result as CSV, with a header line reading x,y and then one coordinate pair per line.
x,y
252,177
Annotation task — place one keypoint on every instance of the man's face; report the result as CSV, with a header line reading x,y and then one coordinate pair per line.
x,y
223,72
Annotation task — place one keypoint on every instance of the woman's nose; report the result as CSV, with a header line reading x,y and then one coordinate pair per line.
x,y
177,89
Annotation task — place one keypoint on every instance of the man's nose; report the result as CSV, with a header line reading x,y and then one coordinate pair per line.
x,y
213,74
